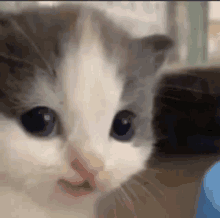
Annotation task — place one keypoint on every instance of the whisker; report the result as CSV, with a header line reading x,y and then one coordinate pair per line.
x,y
117,196
126,195
106,205
15,59
128,202
181,87
139,175
132,191
120,200
170,97
147,191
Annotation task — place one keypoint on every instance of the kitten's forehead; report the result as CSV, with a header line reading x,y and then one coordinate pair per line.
x,y
55,50
47,38
89,79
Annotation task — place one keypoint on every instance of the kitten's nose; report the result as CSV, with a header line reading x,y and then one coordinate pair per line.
x,y
84,163
90,168
82,170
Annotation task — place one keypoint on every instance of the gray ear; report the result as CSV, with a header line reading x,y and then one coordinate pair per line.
x,y
153,48
157,42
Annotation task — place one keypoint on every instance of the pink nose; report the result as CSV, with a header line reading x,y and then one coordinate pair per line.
x,y
88,167
87,164
84,172
77,185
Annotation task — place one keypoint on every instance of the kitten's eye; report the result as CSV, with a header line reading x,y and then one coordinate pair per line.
x,y
122,127
39,121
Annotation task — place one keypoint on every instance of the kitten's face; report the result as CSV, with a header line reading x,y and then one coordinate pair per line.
x,y
74,105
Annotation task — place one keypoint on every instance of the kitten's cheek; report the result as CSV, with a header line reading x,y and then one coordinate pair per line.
x,y
103,181
65,168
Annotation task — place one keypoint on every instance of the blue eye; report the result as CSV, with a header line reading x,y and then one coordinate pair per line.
x,y
39,121
122,127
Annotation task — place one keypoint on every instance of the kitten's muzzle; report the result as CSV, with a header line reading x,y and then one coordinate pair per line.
x,y
75,187
88,183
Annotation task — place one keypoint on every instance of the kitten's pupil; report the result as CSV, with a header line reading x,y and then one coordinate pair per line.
x,y
39,121
122,128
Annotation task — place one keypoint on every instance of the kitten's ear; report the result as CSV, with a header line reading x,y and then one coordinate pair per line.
x,y
157,42
153,48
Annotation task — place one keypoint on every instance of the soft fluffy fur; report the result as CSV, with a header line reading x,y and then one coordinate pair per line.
x,y
78,63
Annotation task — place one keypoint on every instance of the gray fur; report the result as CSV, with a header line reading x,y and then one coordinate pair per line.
x,y
31,45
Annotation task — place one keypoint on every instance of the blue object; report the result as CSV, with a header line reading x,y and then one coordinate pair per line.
x,y
209,201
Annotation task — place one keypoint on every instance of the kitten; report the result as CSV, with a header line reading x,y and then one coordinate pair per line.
x,y
75,102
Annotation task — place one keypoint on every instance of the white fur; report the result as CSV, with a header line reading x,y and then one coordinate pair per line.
x,y
86,99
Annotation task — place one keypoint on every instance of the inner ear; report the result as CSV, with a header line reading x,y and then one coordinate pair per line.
x,y
157,43
156,47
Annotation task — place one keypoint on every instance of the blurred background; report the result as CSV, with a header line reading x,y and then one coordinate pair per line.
x,y
195,26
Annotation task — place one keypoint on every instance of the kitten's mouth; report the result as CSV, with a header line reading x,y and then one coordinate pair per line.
x,y
74,189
